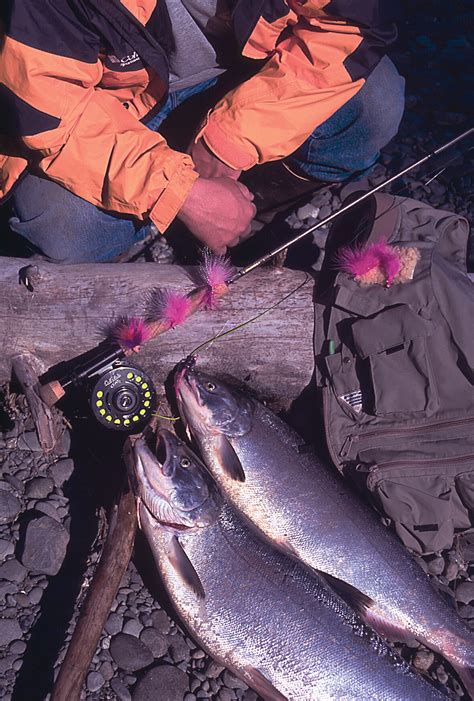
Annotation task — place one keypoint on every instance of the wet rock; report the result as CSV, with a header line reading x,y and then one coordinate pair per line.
x,y
451,571
214,669
161,622
44,546
179,650
107,670
35,595
63,445
232,682
17,647
226,695
157,642
130,653
120,690
94,681
29,441
133,627
61,471
152,684
13,571
6,548
47,508
113,624
9,631
306,211
465,592
436,566
39,487
10,507
423,660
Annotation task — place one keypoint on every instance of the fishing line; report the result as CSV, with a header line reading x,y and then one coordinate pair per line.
x,y
209,341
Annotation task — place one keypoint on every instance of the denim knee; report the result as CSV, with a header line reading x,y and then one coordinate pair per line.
x,y
349,142
67,229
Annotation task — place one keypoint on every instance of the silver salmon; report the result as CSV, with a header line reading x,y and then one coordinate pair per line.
x,y
307,511
280,629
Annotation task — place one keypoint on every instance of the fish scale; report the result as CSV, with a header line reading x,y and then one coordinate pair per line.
x,y
301,507
263,611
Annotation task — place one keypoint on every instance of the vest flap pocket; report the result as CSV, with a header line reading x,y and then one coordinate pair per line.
x,y
389,329
394,343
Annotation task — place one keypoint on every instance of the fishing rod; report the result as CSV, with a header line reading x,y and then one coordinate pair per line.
x,y
268,256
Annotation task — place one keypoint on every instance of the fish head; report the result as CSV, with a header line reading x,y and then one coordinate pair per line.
x,y
210,406
173,483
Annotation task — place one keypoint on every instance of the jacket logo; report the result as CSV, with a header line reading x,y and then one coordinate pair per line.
x,y
124,60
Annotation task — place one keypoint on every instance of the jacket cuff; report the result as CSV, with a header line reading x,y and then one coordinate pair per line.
x,y
230,153
172,198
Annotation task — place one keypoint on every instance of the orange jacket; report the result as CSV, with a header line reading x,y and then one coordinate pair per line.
x,y
77,76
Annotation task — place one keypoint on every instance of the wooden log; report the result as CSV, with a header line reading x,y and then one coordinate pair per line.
x,y
66,309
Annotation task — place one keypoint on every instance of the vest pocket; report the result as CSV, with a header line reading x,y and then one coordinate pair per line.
x,y
428,501
395,343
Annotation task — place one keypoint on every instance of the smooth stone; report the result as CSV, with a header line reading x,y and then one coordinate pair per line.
x,y
12,571
157,642
10,507
198,654
17,647
9,631
6,664
465,592
107,670
5,486
306,211
64,444
6,548
5,589
120,690
161,622
95,681
29,441
45,545
130,653
132,627
232,682
35,595
158,679
179,650
113,624
189,697
61,471
214,669
250,695
436,566
39,487
226,695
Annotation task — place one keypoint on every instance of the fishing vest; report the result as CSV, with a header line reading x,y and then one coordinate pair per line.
x,y
395,366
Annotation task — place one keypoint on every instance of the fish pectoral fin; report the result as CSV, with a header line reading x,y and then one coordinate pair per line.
x,y
360,602
262,685
229,460
183,567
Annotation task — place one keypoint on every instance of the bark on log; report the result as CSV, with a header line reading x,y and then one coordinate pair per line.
x,y
64,313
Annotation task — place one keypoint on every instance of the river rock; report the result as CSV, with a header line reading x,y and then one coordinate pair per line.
x,y
232,682
157,679
161,621
39,487
13,571
113,624
9,631
6,548
465,592
45,545
61,471
10,507
157,642
129,652
120,690
423,660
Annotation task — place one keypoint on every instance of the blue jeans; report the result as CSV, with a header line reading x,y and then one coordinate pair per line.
x,y
67,229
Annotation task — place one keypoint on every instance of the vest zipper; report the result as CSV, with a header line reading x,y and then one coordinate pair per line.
x,y
375,470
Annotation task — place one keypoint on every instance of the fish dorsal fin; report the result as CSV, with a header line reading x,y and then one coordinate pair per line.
x,y
229,460
357,600
262,685
183,567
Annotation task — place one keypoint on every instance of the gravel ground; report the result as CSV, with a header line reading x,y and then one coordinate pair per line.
x,y
51,509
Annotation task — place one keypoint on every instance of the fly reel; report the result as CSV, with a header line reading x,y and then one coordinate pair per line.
x,y
123,398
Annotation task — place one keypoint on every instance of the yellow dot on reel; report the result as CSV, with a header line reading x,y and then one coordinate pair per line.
x,y
147,394
117,421
146,403
145,385
142,412
108,418
135,418
129,375
138,378
126,422
99,402
100,394
102,412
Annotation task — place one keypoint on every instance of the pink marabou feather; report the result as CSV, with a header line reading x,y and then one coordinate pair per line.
x,y
359,261
215,270
129,332
168,306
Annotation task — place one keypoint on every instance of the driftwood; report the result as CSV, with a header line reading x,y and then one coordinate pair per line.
x,y
25,368
57,312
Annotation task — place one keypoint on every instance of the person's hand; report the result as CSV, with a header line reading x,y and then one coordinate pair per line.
x,y
208,165
218,211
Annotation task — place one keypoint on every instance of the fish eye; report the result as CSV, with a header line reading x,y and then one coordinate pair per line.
x,y
185,462
210,386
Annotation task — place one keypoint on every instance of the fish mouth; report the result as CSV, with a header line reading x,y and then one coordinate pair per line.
x,y
191,407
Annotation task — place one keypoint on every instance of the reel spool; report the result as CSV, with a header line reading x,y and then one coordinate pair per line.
x,y
123,398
